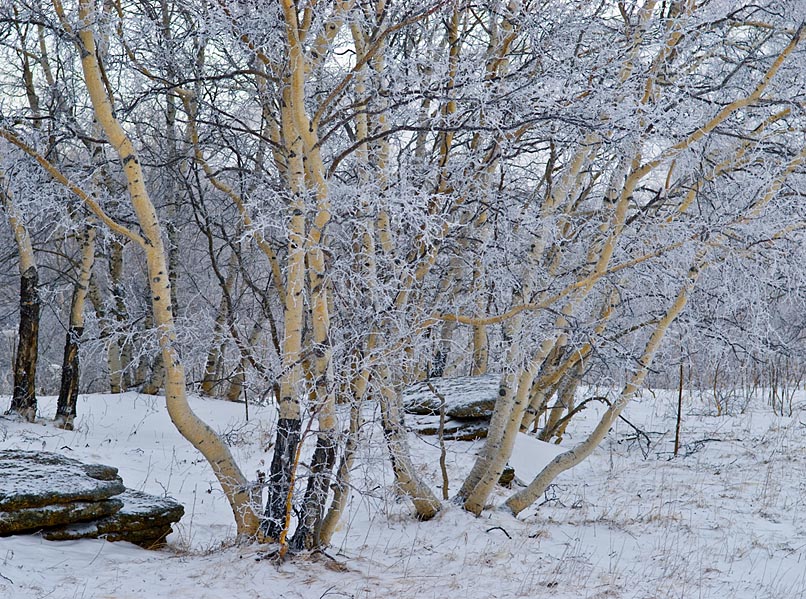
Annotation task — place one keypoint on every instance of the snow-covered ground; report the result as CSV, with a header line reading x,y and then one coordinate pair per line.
x,y
725,519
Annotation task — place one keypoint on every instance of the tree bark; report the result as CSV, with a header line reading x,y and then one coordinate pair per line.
x,y
425,502
23,401
279,482
291,382
68,391
307,535
341,488
241,496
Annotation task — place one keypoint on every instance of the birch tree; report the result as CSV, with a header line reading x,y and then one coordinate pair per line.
x,y
23,401
534,189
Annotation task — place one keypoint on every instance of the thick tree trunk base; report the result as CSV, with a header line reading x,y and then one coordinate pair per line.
x,y
68,392
23,401
310,522
282,464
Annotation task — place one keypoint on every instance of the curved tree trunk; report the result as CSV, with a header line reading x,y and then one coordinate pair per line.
x,y
241,496
527,496
425,502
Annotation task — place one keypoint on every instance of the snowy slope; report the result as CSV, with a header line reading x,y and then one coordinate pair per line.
x,y
726,520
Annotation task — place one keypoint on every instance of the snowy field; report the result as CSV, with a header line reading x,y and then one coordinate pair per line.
x,y
725,519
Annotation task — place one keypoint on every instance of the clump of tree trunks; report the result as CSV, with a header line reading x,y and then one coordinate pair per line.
x,y
344,199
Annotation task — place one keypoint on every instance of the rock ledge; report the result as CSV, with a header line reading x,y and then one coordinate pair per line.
x,y
68,499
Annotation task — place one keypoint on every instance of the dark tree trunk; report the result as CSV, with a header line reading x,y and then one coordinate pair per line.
x,y
310,522
68,392
438,364
282,464
156,380
23,401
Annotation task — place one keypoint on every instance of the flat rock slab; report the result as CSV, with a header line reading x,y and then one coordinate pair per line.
x,y
31,519
141,510
465,397
144,519
33,479
149,538
145,537
453,430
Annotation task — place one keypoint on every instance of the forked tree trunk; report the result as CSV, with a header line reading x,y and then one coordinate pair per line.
x,y
289,424
321,369
68,391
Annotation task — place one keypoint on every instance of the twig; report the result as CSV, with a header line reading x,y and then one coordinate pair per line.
x,y
501,528
331,593
553,488
692,448
441,436
638,432
680,408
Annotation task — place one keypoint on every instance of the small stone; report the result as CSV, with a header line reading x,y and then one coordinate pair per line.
x,y
507,476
